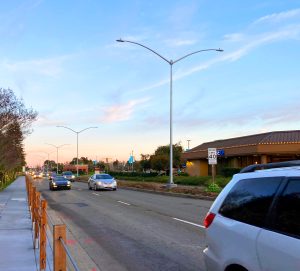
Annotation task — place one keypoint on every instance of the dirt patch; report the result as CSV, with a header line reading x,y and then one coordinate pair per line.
x,y
180,189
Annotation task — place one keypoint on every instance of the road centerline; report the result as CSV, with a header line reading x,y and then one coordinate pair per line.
x,y
124,202
187,222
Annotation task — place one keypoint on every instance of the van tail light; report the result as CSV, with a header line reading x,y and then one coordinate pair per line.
x,y
208,219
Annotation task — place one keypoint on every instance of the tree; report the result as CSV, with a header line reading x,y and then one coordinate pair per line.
x,y
15,121
145,162
161,158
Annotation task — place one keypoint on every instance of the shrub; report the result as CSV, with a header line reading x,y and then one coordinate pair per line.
x,y
213,187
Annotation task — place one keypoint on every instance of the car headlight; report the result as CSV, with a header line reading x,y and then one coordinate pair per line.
x,y
69,182
54,183
73,176
99,183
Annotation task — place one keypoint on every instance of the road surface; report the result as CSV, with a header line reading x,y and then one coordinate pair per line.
x,y
130,230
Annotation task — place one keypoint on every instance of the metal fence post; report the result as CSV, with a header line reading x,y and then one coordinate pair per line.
x,y
59,254
43,237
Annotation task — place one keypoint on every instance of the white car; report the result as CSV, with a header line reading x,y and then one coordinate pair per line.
x,y
102,181
254,224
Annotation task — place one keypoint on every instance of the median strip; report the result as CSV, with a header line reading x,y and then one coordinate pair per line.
x,y
124,202
187,222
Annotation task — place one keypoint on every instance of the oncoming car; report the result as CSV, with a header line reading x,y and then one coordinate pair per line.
x,y
254,224
37,175
69,175
59,182
102,181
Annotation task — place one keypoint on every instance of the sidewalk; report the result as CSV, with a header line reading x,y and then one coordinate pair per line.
x,y
16,245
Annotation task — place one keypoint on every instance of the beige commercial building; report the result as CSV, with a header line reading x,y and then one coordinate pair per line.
x,y
243,151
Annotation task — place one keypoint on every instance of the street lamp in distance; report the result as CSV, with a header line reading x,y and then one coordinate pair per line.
x,y
57,147
77,133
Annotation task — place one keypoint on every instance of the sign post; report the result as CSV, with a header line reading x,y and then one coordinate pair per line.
x,y
212,160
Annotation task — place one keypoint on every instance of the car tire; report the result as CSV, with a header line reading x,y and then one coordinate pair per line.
x,y
90,188
95,187
115,189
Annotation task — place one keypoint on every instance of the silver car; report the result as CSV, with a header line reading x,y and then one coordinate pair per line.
x,y
102,181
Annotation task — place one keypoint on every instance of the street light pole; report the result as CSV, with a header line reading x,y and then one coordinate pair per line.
x,y
48,159
171,63
57,147
77,133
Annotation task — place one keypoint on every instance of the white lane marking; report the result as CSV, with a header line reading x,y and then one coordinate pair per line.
x,y
124,202
79,189
19,199
96,194
187,222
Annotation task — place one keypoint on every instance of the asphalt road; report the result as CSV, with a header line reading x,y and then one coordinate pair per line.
x,y
130,230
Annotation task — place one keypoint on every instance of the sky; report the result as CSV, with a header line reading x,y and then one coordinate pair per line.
x,y
62,59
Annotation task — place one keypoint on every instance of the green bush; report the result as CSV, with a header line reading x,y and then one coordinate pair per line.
x,y
213,187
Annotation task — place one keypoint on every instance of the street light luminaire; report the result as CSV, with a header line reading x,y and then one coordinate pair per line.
x,y
171,63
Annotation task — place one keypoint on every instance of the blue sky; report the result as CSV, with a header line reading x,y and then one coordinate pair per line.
x,y
62,59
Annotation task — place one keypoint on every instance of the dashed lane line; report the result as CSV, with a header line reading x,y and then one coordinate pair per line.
x,y
96,194
124,202
187,222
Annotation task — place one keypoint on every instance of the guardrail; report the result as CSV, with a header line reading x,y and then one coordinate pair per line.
x,y
39,216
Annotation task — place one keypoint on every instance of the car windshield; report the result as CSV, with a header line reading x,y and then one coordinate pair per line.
x,y
104,176
59,178
67,173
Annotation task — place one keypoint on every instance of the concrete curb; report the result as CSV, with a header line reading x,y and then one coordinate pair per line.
x,y
179,195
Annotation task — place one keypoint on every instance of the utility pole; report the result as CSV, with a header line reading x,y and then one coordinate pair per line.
x,y
188,141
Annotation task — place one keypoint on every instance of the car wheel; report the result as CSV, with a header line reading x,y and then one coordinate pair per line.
x,y
115,189
90,188
95,187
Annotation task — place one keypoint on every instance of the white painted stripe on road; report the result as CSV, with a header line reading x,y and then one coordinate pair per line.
x,y
79,189
19,199
187,222
124,202
96,194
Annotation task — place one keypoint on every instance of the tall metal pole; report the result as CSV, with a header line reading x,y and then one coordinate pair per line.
x,y
77,154
77,133
170,62
171,182
57,147
57,160
188,141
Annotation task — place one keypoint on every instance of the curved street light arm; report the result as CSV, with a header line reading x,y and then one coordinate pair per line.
x,y
57,146
87,129
51,145
120,40
62,145
177,60
66,128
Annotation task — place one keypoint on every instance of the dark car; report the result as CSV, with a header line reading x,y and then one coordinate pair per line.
x,y
69,175
52,175
59,182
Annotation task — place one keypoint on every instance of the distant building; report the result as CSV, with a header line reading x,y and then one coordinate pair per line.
x,y
83,168
243,151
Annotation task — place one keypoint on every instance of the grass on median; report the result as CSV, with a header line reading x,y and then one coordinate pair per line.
x,y
204,181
